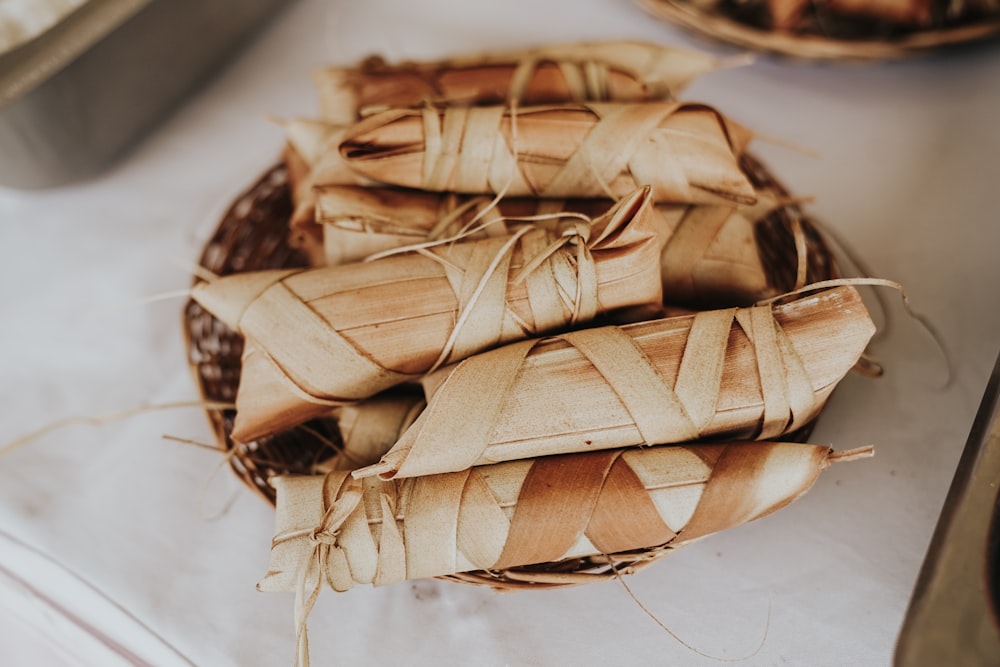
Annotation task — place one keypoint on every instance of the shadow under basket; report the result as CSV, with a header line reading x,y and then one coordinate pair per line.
x,y
253,235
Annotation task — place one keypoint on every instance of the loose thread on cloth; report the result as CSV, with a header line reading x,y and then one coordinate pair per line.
x,y
195,270
227,457
100,420
94,313
628,589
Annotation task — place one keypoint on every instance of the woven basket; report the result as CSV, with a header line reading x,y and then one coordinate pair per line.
x,y
821,35
253,235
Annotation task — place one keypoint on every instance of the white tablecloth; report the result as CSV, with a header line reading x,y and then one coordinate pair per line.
x,y
155,550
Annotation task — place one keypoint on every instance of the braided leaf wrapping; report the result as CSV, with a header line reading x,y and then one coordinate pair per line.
x,y
737,373
317,338
354,222
687,153
629,71
335,528
710,255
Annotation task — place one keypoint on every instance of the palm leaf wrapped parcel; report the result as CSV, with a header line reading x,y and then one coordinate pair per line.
x,y
346,531
757,372
321,337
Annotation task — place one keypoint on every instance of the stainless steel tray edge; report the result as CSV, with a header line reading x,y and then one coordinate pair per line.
x,y
952,617
91,109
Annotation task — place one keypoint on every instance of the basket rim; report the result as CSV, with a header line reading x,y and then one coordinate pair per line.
x,y
720,27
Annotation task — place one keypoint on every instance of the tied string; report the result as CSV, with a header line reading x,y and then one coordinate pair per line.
x,y
444,233
619,500
584,301
324,546
561,498
582,278
102,419
578,292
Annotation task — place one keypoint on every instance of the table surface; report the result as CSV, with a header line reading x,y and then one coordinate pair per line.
x,y
159,546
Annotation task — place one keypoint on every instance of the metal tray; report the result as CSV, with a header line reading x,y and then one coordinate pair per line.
x,y
953,615
79,95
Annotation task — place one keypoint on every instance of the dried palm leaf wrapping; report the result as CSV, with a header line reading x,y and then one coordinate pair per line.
x,y
369,428
313,157
573,72
687,153
710,256
576,72
507,515
736,373
355,222
321,337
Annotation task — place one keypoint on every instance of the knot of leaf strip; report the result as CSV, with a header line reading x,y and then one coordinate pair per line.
x,y
323,535
578,232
